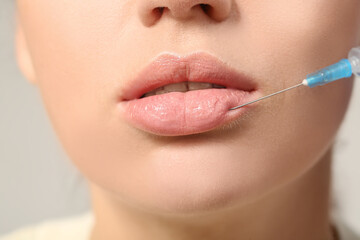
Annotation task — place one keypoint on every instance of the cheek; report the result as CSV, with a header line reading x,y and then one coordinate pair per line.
x,y
289,40
78,73
73,48
286,43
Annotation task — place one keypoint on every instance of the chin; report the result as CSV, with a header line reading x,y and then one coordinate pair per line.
x,y
179,185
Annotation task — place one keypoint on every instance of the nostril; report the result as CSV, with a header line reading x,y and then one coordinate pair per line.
x,y
158,12
161,9
150,11
205,7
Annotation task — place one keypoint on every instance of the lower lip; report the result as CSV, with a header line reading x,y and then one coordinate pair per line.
x,y
184,113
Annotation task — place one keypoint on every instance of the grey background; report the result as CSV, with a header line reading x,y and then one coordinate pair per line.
x,y
38,181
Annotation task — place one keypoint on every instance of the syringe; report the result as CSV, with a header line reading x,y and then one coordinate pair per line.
x,y
342,69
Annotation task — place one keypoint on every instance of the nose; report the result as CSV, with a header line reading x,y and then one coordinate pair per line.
x,y
150,11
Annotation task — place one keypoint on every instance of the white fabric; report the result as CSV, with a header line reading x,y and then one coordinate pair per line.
x,y
79,228
69,228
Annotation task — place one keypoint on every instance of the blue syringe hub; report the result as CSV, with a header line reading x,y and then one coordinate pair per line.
x,y
342,69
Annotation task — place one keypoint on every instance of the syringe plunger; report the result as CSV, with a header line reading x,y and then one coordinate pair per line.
x,y
354,59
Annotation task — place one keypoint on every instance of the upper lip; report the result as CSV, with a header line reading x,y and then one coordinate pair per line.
x,y
196,67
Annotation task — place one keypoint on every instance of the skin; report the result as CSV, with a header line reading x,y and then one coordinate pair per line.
x,y
266,176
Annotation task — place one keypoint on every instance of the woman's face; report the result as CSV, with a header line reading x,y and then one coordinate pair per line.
x,y
83,56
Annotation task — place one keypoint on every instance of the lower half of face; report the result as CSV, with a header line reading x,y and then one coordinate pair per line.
x,y
83,55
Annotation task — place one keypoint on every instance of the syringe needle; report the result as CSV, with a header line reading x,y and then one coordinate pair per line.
x,y
270,95
343,69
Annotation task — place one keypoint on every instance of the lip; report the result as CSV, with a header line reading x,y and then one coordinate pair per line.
x,y
184,113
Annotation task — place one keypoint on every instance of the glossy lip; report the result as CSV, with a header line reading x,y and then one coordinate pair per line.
x,y
197,67
185,113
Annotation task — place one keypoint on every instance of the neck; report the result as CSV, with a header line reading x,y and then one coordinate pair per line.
x,y
298,210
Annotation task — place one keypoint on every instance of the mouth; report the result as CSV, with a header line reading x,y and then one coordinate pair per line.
x,y
176,96
182,87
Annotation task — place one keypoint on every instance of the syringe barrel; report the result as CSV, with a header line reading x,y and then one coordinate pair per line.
x,y
354,58
341,69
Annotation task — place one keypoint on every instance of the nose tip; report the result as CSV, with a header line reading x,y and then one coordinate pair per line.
x,y
151,11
